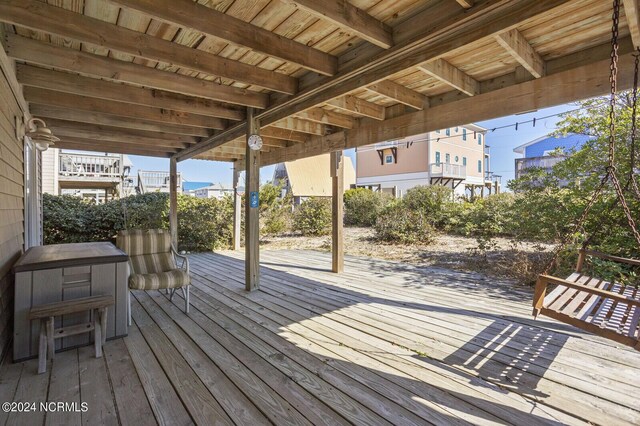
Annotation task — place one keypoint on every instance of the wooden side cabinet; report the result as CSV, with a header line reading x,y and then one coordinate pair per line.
x,y
54,273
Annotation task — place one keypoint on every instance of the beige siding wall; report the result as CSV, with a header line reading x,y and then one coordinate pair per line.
x,y
472,149
411,159
11,206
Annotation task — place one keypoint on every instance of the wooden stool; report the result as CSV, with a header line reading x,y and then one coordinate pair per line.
x,y
97,305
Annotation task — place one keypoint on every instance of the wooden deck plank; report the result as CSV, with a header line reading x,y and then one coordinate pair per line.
x,y
299,315
95,389
131,401
201,405
559,399
9,378
65,387
164,401
32,388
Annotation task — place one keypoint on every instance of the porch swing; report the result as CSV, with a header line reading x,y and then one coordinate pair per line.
x,y
608,309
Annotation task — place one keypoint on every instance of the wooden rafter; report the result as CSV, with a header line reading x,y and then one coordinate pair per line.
x,y
467,4
632,11
345,15
209,21
36,52
399,93
301,126
44,111
282,134
358,106
323,116
454,77
517,45
36,15
92,87
115,147
83,103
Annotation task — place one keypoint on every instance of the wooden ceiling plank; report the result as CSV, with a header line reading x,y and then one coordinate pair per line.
x,y
302,126
114,147
83,103
517,45
358,106
467,4
47,112
186,13
632,11
37,15
447,73
282,134
86,86
347,16
44,54
400,93
323,116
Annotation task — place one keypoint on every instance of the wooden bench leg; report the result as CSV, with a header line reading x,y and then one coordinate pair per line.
x,y
42,348
51,343
97,330
103,323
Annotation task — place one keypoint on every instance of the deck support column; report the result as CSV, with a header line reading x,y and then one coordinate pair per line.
x,y
237,208
337,207
252,208
173,201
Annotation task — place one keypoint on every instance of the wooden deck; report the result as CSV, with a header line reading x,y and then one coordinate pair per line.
x,y
383,343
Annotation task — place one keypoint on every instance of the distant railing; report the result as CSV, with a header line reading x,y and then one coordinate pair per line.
x,y
92,166
540,162
448,170
153,181
492,177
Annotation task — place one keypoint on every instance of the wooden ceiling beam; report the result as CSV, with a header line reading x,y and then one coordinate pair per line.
x,y
323,116
62,58
467,4
400,93
39,16
52,98
448,74
301,126
208,21
114,147
632,12
47,112
86,86
62,128
517,45
347,16
282,134
359,106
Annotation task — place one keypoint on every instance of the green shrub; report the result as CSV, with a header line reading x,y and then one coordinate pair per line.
x,y
397,223
433,202
204,223
67,219
276,220
313,217
362,206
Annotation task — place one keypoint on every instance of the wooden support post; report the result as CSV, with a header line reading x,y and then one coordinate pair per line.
x,y
252,208
337,178
237,208
173,201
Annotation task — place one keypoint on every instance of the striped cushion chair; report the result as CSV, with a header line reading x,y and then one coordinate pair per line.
x,y
153,262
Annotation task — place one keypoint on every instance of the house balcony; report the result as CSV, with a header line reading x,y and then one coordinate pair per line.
x,y
546,163
88,171
448,171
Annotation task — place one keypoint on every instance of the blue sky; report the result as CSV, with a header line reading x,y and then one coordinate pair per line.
x,y
501,141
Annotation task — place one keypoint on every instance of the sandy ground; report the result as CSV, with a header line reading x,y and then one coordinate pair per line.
x,y
519,262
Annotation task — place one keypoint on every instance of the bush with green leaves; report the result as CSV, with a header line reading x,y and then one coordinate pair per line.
x,y
313,217
433,201
362,206
276,220
400,224
203,224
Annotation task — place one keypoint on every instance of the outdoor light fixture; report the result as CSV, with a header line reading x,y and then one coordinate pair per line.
x,y
255,142
40,134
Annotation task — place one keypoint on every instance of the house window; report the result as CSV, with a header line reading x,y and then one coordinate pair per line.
x,y
479,166
388,159
464,161
447,158
448,132
479,138
456,130
437,158
457,158
464,134
437,131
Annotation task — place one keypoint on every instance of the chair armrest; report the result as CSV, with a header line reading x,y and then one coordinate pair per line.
x,y
600,255
546,279
185,259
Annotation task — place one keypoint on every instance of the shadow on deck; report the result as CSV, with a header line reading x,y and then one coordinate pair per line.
x,y
361,347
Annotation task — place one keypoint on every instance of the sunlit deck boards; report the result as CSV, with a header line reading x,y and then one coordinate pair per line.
x,y
383,343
